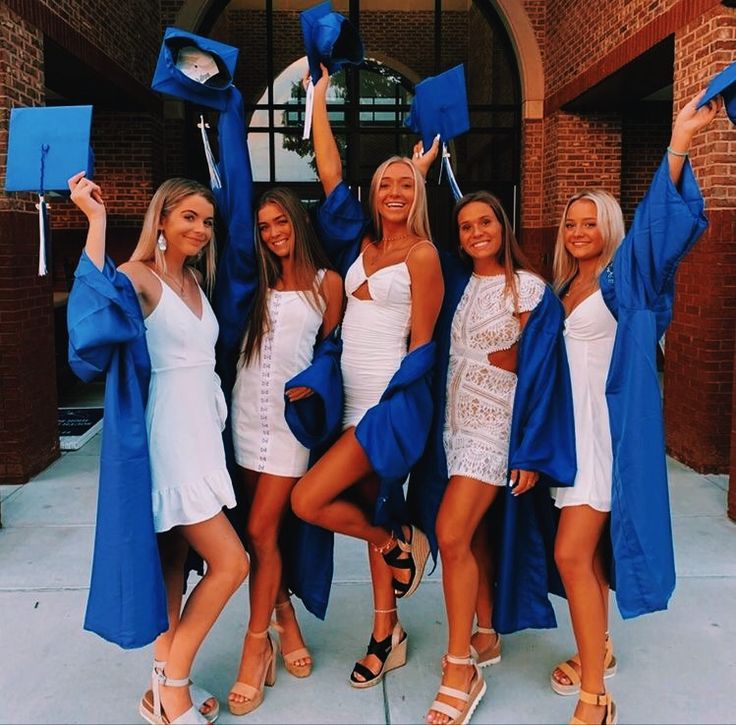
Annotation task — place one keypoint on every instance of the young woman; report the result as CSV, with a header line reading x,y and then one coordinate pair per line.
x,y
618,301
394,287
499,323
150,317
298,302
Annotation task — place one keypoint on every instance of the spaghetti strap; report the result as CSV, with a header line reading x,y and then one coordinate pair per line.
x,y
414,246
153,273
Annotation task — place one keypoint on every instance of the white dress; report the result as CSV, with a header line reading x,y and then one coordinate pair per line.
x,y
375,335
590,330
262,440
185,414
480,396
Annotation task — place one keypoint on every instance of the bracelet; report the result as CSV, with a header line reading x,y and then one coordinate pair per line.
x,y
681,154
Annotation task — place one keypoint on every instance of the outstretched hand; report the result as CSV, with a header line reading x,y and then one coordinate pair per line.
x,y
690,120
87,196
422,159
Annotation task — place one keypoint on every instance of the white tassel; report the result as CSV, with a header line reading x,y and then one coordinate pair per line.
x,y
41,206
308,110
215,181
454,187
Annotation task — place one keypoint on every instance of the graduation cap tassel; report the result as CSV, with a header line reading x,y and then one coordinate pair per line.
x,y
454,187
308,110
42,216
215,181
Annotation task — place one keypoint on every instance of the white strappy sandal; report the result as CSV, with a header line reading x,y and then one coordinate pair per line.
x,y
157,716
471,698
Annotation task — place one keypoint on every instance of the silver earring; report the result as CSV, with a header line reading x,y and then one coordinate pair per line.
x,y
161,242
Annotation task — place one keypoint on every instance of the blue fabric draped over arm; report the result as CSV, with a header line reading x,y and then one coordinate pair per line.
x,y
341,225
127,599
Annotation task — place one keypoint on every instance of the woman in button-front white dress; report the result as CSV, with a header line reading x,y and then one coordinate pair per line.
x,y
298,302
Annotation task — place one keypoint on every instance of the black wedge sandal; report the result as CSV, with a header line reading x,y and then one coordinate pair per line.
x,y
418,549
391,651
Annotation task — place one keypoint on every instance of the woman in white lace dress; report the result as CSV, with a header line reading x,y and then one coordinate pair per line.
x,y
481,383
298,302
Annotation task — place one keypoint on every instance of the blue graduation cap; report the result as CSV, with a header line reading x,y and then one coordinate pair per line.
x,y
440,106
47,145
329,38
724,84
194,68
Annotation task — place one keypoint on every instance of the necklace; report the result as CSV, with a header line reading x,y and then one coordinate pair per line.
x,y
396,238
178,284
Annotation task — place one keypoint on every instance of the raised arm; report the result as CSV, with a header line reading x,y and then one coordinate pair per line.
x,y
690,120
88,197
326,153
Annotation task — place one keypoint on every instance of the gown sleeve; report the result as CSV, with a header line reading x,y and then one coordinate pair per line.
x,y
341,225
102,313
667,222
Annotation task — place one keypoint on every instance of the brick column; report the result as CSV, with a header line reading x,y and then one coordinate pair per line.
x,y
29,438
699,357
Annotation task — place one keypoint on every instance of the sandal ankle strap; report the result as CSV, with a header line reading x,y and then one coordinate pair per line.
x,y
485,630
384,611
467,660
257,635
594,698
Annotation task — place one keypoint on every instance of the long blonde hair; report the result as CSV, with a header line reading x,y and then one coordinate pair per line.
x,y
168,196
610,221
308,259
418,220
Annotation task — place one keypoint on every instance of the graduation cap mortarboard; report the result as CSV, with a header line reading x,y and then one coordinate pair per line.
x,y
47,145
177,75
440,106
724,84
329,38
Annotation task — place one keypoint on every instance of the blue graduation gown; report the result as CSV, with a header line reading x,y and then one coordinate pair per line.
x,y
638,288
127,599
542,439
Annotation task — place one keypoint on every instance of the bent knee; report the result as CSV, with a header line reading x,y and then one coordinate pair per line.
x,y
303,504
452,541
570,560
263,536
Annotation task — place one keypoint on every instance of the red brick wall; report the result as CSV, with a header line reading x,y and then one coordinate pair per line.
x,y
28,425
699,358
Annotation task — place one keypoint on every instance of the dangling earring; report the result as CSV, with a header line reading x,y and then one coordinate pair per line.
x,y
161,242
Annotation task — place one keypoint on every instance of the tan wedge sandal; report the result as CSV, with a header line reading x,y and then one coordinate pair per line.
x,y
490,655
568,668
391,651
291,658
604,700
471,698
255,694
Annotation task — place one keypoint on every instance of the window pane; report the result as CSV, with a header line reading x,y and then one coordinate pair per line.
x,y
259,156
294,158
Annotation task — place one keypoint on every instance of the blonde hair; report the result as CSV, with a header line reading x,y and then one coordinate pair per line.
x,y
308,259
166,198
610,221
417,222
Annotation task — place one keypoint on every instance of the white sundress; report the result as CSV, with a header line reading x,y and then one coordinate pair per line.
x,y
480,396
262,440
185,414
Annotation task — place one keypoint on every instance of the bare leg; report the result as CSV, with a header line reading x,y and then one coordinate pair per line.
x,y
227,566
317,497
577,554
269,502
465,502
481,548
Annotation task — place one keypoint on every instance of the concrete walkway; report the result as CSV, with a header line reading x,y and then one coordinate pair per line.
x,y
674,667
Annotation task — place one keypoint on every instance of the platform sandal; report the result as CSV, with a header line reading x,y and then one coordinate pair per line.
x,y
490,655
157,716
200,697
568,668
255,694
470,699
291,658
604,700
418,550
391,651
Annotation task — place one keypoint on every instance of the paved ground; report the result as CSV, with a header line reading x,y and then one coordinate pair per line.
x,y
674,667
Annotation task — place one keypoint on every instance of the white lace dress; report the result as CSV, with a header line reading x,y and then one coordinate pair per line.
x,y
480,396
